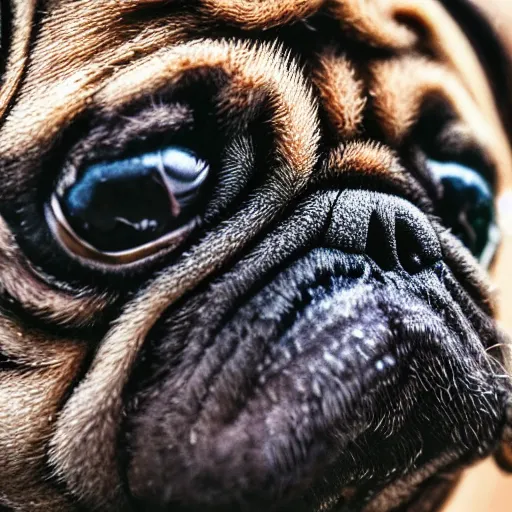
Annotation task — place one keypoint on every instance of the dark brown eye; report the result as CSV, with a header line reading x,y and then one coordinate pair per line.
x,y
467,207
128,208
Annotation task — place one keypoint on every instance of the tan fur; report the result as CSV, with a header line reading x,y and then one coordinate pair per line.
x,y
23,13
251,14
102,54
21,280
398,103
248,70
341,93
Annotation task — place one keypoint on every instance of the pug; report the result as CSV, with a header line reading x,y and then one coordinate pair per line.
x,y
244,254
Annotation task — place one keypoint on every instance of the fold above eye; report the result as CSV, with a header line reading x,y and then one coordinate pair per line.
x,y
467,207
129,208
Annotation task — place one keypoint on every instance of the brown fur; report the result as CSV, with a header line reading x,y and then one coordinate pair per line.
x,y
78,55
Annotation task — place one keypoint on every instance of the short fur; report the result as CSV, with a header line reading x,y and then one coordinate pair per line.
x,y
314,97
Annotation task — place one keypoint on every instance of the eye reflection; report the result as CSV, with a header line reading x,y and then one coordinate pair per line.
x,y
467,207
125,205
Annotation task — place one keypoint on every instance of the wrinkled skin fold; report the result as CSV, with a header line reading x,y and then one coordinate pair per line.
x,y
321,341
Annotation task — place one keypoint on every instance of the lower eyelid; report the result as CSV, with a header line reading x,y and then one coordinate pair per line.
x,y
79,248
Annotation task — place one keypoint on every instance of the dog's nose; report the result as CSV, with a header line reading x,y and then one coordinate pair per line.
x,y
390,230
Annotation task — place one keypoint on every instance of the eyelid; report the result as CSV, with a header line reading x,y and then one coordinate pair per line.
x,y
80,248
451,140
123,134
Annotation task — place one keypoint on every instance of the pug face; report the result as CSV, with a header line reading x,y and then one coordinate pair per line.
x,y
243,252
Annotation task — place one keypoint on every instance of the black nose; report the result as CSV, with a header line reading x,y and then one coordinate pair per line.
x,y
390,230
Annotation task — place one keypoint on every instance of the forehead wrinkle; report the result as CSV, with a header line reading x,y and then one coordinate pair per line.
x,y
21,281
22,16
253,15
444,35
373,22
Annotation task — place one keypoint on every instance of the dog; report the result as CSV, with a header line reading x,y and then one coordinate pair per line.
x,y
245,251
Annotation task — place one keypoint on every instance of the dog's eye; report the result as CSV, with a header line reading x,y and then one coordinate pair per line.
x,y
467,207
123,210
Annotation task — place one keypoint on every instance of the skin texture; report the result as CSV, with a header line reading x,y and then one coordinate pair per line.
x,y
148,387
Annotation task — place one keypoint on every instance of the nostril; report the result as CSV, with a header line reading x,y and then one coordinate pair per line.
x,y
400,236
417,244
390,230
409,250
379,245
